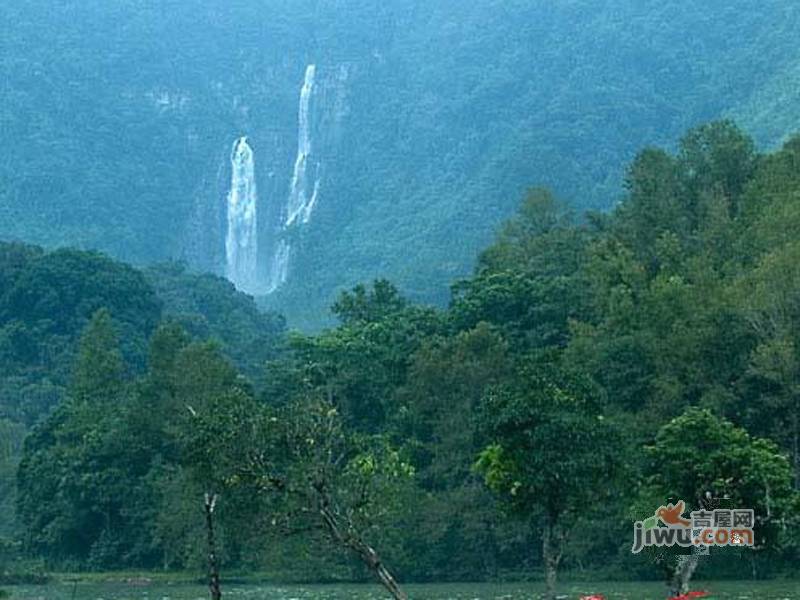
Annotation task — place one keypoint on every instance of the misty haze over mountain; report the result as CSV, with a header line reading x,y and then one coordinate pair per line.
x,y
425,123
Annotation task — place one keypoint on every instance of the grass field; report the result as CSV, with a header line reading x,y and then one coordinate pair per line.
x,y
745,590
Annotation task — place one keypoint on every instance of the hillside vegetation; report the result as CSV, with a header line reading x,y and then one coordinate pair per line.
x,y
117,120
587,370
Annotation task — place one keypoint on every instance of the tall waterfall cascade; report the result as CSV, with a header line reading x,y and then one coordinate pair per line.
x,y
241,240
258,255
303,188
302,196
279,266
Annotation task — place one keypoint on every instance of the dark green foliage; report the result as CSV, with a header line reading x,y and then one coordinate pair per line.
x,y
362,306
116,122
59,292
45,302
98,372
438,419
75,477
708,462
588,370
550,442
104,461
11,439
99,461
359,363
697,454
208,307
529,283
550,448
48,298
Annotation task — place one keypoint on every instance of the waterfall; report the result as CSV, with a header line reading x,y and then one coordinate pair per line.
x,y
309,207
262,243
241,241
279,267
299,204
303,188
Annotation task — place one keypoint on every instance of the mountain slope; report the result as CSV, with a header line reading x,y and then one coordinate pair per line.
x,y
429,120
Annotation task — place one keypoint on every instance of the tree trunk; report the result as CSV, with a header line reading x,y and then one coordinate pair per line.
x,y
372,560
551,556
687,565
351,540
213,564
796,449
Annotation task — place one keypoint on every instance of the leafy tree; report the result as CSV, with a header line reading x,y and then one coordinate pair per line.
x,y
653,205
553,454
358,364
184,377
208,307
74,476
529,283
98,373
310,472
366,306
96,476
716,158
690,198
767,301
698,456
11,439
438,422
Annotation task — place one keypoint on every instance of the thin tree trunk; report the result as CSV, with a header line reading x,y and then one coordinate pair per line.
x,y
213,564
365,552
687,565
796,449
551,556
373,561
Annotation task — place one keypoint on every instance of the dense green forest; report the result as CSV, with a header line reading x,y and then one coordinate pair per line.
x,y
591,367
117,119
48,298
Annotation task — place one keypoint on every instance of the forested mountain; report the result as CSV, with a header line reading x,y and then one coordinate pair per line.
x,y
47,299
538,261
426,120
586,370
